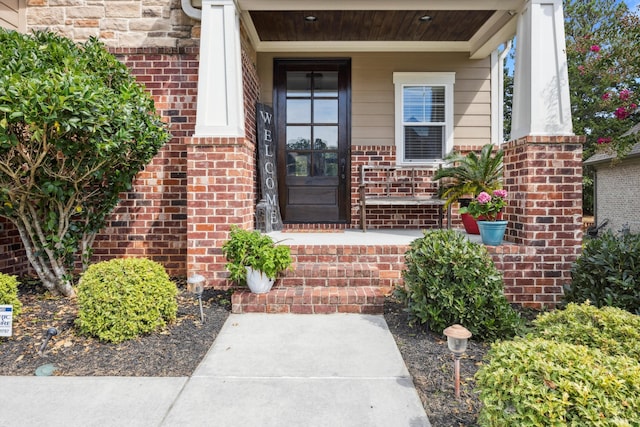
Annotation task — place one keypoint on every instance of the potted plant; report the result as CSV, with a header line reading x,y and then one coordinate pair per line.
x,y
467,176
486,208
255,259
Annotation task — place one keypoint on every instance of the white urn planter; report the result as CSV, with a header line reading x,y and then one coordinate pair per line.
x,y
258,281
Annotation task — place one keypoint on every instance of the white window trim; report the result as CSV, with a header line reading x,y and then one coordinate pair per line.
x,y
446,79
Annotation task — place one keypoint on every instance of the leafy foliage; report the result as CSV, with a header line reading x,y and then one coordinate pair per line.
x,y
471,174
538,382
611,330
608,272
124,298
452,280
610,68
75,129
9,293
256,250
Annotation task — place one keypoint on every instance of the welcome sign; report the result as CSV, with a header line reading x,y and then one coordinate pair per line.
x,y
6,320
267,163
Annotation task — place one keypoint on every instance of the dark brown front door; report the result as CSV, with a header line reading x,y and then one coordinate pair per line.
x,y
312,110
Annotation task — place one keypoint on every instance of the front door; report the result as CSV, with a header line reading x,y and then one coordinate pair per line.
x,y
312,110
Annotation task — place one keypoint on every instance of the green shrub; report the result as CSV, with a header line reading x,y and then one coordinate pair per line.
x,y
123,298
256,250
450,280
613,331
538,382
9,293
608,273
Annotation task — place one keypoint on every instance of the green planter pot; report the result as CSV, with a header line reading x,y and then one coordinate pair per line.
x,y
492,232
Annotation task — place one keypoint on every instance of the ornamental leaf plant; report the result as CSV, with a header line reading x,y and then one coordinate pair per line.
x,y
75,129
486,206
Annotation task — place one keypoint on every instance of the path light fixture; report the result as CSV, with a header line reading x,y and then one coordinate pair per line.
x,y
457,336
195,285
51,332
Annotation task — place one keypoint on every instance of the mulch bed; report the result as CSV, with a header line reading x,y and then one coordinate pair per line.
x,y
178,349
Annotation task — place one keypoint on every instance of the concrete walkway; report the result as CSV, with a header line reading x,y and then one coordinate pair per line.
x,y
262,370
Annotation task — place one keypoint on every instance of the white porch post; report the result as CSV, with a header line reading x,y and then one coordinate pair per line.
x,y
220,107
541,103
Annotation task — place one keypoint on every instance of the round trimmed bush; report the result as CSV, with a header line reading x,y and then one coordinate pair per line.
x,y
9,293
124,298
611,330
450,280
538,382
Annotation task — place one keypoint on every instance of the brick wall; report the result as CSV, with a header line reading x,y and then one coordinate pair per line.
x,y
617,197
151,220
121,24
13,259
386,216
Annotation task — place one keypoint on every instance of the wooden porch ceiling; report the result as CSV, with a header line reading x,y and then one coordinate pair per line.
x,y
477,27
369,25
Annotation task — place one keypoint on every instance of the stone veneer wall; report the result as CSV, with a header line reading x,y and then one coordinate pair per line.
x,y
126,23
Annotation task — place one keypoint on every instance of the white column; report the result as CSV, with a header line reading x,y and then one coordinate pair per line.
x,y
220,102
541,103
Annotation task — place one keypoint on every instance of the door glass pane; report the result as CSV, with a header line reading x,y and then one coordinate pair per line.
x,y
325,83
325,111
325,138
298,111
298,164
298,137
325,164
298,84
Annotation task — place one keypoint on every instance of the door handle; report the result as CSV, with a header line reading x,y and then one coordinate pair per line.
x,y
343,167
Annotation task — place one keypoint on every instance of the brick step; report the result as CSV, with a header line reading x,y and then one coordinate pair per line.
x,y
312,300
327,274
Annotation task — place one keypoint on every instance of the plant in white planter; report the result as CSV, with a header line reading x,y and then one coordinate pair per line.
x,y
253,255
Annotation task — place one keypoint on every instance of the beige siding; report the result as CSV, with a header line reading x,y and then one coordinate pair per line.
x,y
12,15
372,93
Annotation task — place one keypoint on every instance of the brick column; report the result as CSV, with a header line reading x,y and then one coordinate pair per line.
x,y
543,176
220,193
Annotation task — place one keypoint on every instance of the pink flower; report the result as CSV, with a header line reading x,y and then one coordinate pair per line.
x,y
624,94
595,48
483,198
581,69
633,106
606,96
621,113
500,193
604,140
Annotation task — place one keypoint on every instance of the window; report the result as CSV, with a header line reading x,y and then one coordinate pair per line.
x,y
424,116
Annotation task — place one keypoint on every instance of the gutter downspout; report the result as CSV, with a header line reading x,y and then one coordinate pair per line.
x,y
191,11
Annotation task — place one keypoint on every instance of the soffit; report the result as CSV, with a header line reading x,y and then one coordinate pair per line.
x,y
473,26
